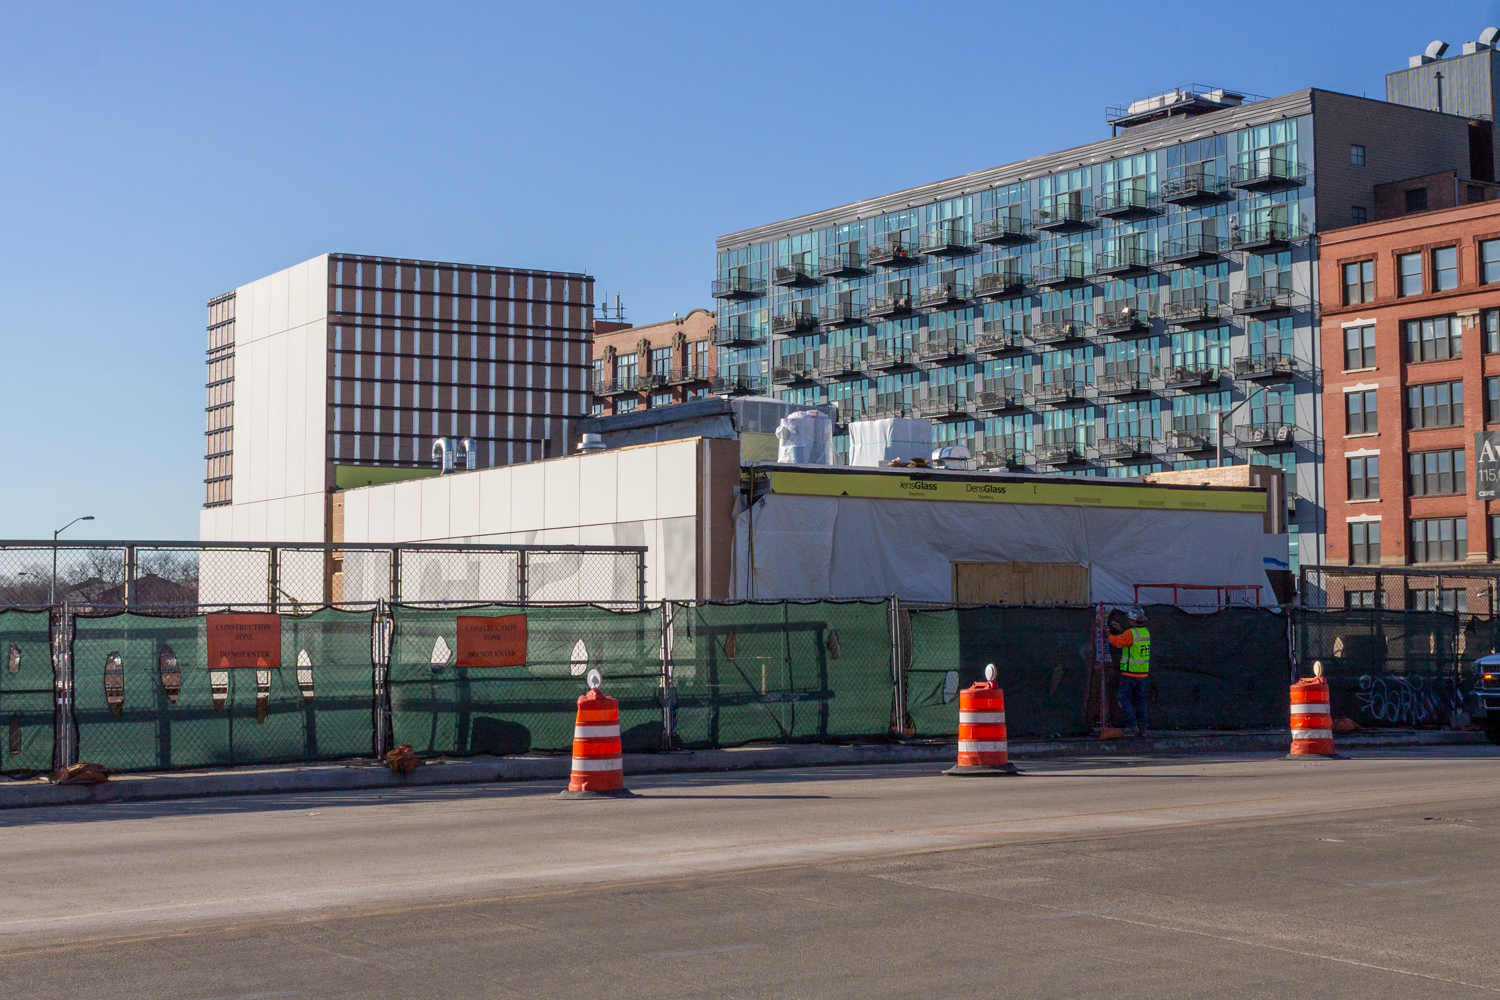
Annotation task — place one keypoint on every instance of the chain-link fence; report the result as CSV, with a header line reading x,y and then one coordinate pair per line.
x,y
442,705
299,577
782,672
1390,668
27,691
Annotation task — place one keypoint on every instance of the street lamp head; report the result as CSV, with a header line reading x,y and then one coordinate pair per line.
x,y
87,517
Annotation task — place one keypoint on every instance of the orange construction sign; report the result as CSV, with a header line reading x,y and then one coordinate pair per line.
x,y
246,639
492,642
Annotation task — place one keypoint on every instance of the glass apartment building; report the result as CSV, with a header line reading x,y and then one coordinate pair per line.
x,y
1142,303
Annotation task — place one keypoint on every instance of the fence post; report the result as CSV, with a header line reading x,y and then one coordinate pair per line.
x,y
523,582
898,668
273,575
641,579
380,664
66,751
128,597
395,574
668,692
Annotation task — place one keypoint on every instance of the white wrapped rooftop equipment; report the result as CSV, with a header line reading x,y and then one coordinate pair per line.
x,y
872,442
805,437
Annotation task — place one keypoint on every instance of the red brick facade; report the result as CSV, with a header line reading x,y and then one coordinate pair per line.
x,y
1395,371
638,367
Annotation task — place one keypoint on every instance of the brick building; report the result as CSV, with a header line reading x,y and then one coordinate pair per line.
x,y
1411,346
636,367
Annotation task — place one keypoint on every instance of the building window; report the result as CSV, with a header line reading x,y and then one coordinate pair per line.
x,y
1359,411
627,405
1445,269
626,367
1492,331
661,361
1364,478
1359,347
1446,599
1494,535
1416,200
1356,155
1359,282
1434,339
1438,404
1489,261
1434,473
1358,216
1359,598
1492,400
1439,540
661,399
1409,271
1364,543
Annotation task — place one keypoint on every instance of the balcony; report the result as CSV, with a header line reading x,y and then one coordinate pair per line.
x,y
1063,274
1000,284
1195,311
1189,440
944,294
1267,435
1121,448
690,374
1264,235
1264,301
894,253
738,385
1061,218
1195,189
739,286
795,275
1056,333
843,264
1128,260
1193,248
647,381
886,405
995,400
1267,174
615,386
1057,392
943,406
1012,461
839,365
734,331
943,350
794,322
1003,230
844,314
1124,322
995,337
1268,367
1127,201
1125,384
889,360
1191,377
1059,454
791,373
890,304
946,241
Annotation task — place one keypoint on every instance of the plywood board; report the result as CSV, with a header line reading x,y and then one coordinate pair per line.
x,y
1020,583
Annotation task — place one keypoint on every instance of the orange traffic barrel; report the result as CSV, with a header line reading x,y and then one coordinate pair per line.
x,y
1312,721
982,748
598,768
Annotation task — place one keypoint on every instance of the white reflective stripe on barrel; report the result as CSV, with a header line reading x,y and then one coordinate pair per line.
x,y
1313,708
596,731
982,717
598,764
1313,734
972,747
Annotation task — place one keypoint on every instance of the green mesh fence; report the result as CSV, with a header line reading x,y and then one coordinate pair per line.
x,y
1225,670
146,715
782,672
27,717
440,708
1386,667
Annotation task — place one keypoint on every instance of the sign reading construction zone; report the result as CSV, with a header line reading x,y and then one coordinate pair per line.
x,y
1083,492
248,639
492,642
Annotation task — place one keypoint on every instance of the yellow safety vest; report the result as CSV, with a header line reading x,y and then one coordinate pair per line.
x,y
1135,659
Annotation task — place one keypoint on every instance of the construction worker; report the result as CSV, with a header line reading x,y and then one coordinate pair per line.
x,y
1134,645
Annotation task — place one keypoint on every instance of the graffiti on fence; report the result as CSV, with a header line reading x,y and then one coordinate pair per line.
x,y
1411,701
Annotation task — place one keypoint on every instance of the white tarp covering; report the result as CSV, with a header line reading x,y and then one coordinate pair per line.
x,y
874,441
805,437
821,547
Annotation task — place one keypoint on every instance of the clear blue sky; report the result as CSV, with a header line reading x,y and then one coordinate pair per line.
x,y
158,154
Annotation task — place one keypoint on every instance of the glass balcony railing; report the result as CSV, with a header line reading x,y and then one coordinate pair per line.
x,y
1003,230
1123,261
843,264
1266,173
738,286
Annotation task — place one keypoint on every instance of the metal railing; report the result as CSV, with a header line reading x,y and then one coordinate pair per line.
x,y
1264,300
794,321
733,331
1270,365
894,253
1195,187
1063,272
1003,229
944,293
843,264
997,337
738,286
890,304
1123,261
1268,172
1124,201
795,275
1002,282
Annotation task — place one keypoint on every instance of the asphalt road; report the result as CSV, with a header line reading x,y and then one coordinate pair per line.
x,y
1227,876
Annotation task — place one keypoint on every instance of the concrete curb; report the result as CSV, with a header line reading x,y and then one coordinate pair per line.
x,y
368,774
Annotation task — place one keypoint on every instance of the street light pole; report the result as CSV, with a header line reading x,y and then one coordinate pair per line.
x,y
52,591
1219,417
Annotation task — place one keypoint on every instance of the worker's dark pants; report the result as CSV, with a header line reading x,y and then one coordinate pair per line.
x,y
1132,699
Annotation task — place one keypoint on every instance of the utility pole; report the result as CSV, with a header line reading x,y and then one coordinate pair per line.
x,y
52,591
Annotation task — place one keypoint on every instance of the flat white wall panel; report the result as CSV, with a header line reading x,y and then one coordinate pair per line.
x,y
494,500
436,494
636,483
407,526
560,495
676,479
598,493
463,506
527,497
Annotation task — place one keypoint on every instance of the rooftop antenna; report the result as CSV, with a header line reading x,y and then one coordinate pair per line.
x,y
619,310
